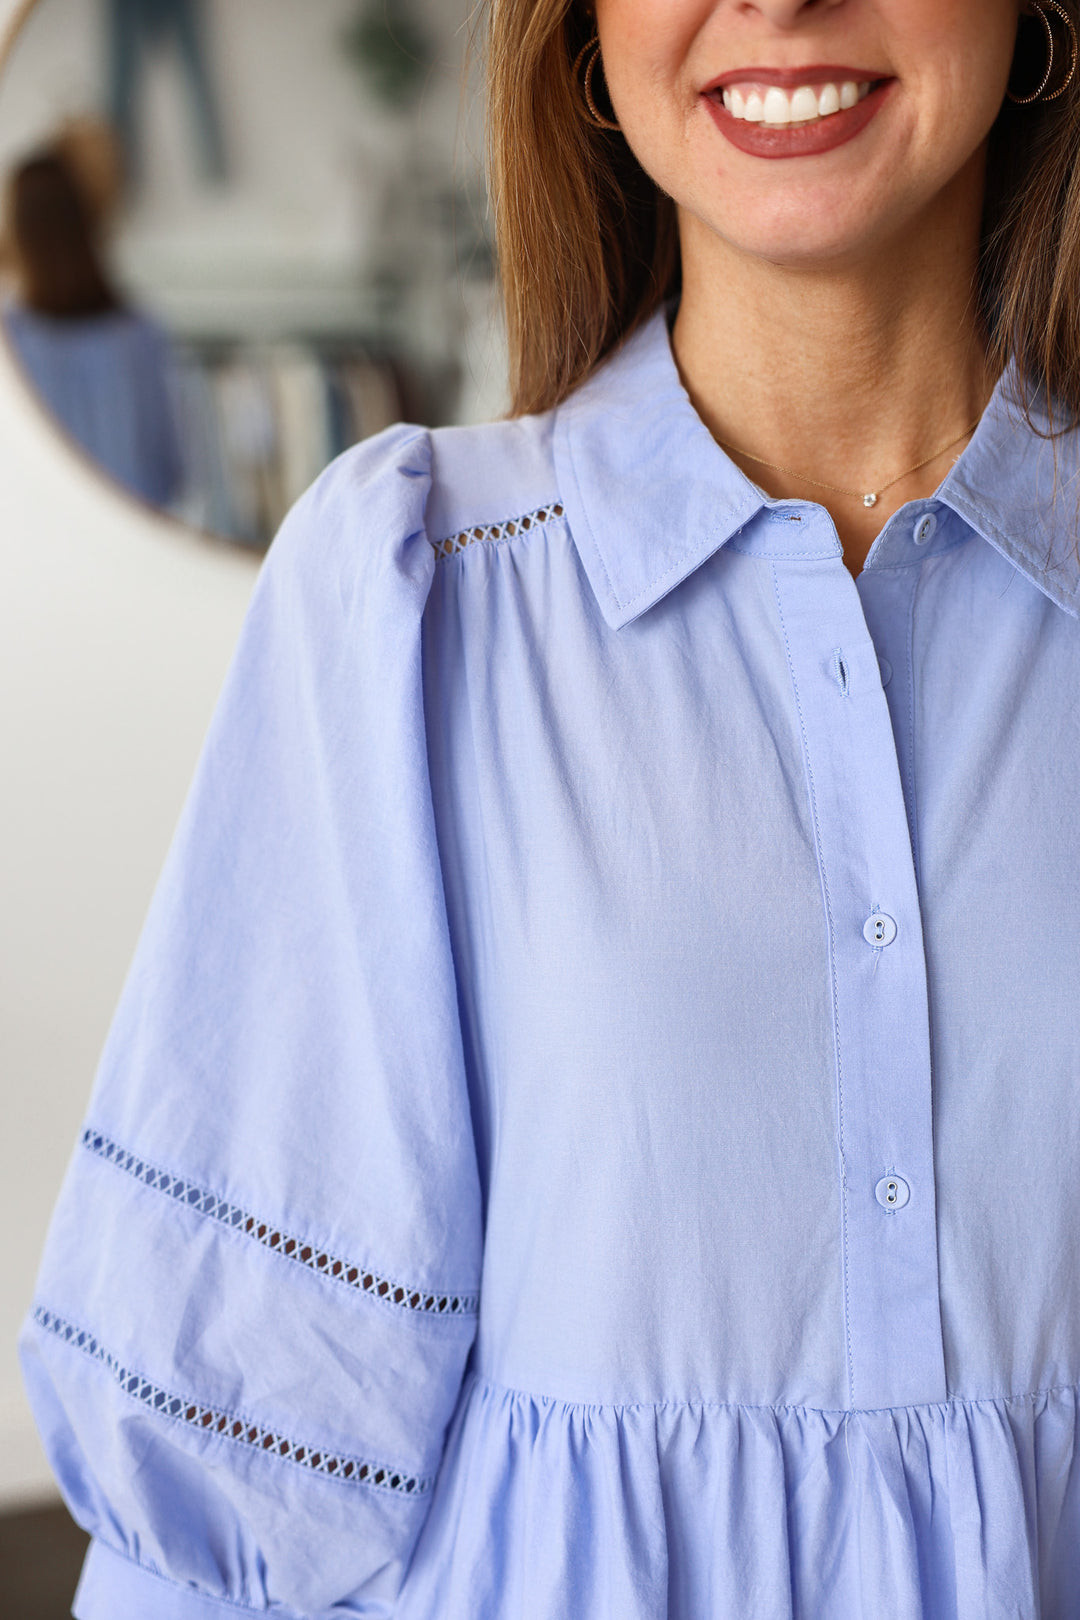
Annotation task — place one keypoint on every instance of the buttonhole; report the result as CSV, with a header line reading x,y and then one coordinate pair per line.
x,y
840,670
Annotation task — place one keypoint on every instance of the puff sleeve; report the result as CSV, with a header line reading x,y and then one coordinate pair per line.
x,y
260,1285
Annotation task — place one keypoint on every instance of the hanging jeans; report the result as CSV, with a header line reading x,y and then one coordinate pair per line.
x,y
135,27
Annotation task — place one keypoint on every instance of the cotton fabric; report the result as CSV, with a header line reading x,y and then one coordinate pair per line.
x,y
663,1247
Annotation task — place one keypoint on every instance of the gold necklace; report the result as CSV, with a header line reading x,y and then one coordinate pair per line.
x,y
871,496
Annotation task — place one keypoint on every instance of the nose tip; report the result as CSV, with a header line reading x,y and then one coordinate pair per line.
x,y
788,13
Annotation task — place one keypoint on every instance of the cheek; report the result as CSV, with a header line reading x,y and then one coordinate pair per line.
x,y
957,96
648,48
939,21
641,25
963,46
646,45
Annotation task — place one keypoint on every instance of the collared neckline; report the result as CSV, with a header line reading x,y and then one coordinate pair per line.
x,y
1020,490
650,495
648,492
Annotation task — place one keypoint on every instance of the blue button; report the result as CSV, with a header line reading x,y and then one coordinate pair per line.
x,y
925,528
886,671
892,1192
879,930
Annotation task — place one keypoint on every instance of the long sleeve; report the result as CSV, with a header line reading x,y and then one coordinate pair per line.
x,y
260,1285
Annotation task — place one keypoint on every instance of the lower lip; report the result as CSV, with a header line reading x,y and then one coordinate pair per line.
x,y
798,140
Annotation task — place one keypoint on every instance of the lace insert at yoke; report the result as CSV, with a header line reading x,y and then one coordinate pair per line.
x,y
493,532
271,1237
214,1421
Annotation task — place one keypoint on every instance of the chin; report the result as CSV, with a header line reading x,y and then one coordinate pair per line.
x,y
800,232
804,248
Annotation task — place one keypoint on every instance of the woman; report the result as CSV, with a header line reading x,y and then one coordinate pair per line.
x,y
102,368
592,1127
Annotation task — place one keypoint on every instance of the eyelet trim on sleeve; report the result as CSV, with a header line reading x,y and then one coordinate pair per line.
x,y
498,531
212,1420
271,1237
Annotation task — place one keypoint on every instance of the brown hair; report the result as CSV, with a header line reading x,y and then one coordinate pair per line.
x,y
588,245
51,232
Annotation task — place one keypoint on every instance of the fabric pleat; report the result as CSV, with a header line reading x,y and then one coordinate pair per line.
x,y
552,1511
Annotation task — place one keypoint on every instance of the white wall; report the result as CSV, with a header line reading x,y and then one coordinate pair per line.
x,y
115,631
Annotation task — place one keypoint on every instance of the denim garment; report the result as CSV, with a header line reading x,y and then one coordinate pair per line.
x,y
135,28
591,1132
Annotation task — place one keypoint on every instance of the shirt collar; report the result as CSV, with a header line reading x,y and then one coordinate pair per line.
x,y
1020,490
650,495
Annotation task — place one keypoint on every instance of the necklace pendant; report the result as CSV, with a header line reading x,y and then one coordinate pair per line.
x,y
869,499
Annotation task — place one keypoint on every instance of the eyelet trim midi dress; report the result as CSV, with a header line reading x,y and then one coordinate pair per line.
x,y
592,1128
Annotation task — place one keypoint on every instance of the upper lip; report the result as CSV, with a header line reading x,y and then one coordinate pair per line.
x,y
792,78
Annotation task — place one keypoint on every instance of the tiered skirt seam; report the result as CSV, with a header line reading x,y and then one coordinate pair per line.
x,y
952,1403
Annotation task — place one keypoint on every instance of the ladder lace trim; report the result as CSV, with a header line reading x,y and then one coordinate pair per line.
x,y
494,532
213,1420
362,1278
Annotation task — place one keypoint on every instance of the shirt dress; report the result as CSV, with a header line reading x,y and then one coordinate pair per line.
x,y
592,1130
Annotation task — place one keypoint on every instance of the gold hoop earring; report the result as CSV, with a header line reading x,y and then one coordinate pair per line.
x,y
1040,93
591,51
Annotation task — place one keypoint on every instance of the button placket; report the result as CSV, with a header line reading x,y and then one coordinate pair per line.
x,y
879,993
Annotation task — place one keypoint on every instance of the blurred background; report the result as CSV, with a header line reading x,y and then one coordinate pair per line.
x,y
236,237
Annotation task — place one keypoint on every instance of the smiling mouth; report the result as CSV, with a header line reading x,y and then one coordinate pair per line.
x,y
772,112
764,103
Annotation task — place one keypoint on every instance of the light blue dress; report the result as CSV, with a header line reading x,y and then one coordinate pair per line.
x,y
592,1131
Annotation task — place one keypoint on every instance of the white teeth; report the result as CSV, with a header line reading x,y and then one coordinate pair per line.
x,y
770,105
777,106
804,105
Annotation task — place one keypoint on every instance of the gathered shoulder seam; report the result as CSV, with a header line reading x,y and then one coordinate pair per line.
x,y
493,533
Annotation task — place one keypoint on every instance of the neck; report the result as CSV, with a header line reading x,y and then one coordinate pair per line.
x,y
847,373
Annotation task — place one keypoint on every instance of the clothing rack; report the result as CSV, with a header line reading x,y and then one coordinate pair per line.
x,y
259,420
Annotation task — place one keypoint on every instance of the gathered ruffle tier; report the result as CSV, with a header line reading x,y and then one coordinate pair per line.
x,y
544,1510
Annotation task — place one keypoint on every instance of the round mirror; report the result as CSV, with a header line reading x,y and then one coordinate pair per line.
x,y
240,235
